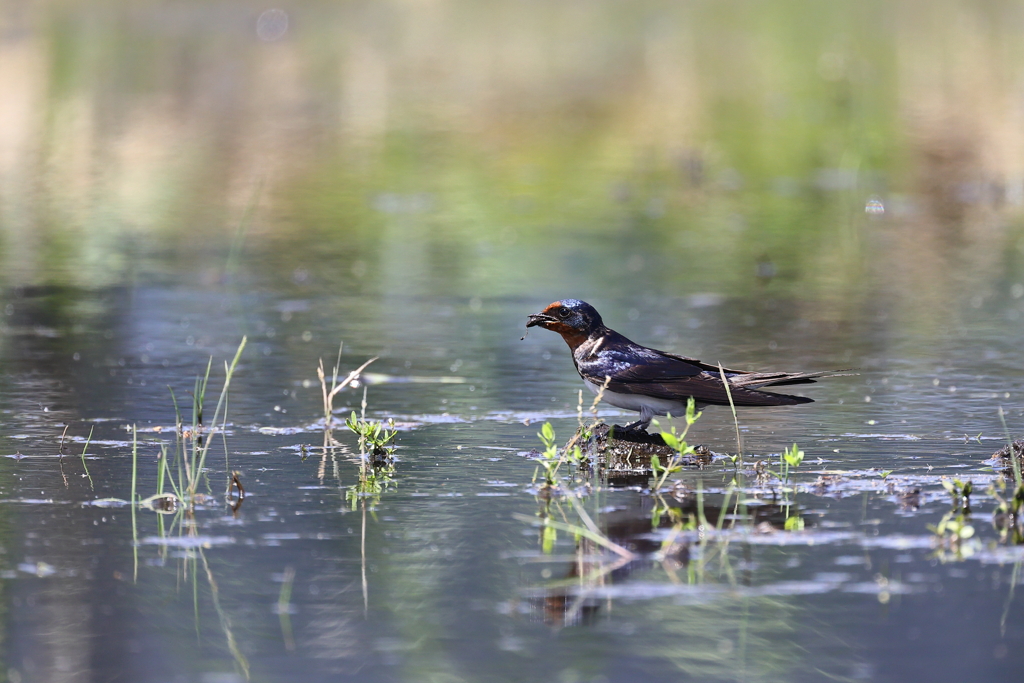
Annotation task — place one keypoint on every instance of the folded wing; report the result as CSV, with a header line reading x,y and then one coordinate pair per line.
x,y
666,375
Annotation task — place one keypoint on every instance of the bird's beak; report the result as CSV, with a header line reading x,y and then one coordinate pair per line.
x,y
538,319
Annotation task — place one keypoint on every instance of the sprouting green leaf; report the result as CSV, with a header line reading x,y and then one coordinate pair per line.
x,y
547,433
793,456
670,440
691,411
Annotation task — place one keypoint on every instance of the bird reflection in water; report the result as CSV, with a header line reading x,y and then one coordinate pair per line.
x,y
682,523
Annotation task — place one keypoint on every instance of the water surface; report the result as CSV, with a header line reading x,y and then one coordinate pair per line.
x,y
413,180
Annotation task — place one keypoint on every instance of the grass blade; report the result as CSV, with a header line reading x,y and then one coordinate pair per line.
x,y
84,466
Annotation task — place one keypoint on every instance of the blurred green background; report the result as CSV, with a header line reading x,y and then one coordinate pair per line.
x,y
529,148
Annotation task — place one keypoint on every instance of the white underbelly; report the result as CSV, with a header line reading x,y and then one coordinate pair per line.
x,y
639,402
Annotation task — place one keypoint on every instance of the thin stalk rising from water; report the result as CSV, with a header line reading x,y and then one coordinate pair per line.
x,y
135,476
84,466
735,420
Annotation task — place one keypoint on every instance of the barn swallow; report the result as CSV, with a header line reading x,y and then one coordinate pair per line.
x,y
655,382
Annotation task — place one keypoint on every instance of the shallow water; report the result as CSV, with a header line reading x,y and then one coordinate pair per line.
x,y
413,180
456,585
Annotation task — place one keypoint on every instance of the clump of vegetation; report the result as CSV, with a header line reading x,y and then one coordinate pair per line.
x,y
374,435
661,472
376,456
552,457
1014,450
376,465
192,445
1013,454
549,463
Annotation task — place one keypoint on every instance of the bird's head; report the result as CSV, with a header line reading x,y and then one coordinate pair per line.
x,y
570,318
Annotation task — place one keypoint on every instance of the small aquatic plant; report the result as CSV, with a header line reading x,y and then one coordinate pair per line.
x,y
677,442
551,458
791,459
376,464
192,446
374,435
180,503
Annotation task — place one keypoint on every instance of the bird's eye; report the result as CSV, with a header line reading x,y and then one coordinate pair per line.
x,y
563,313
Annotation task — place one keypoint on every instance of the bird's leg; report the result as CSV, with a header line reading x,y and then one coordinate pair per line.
x,y
641,425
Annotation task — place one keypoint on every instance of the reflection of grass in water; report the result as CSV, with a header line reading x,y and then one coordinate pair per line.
x,y
376,468
183,530
743,639
730,638
225,620
586,528
722,636
374,480
284,607
191,448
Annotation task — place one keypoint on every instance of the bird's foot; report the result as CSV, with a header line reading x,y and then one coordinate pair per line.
x,y
638,426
